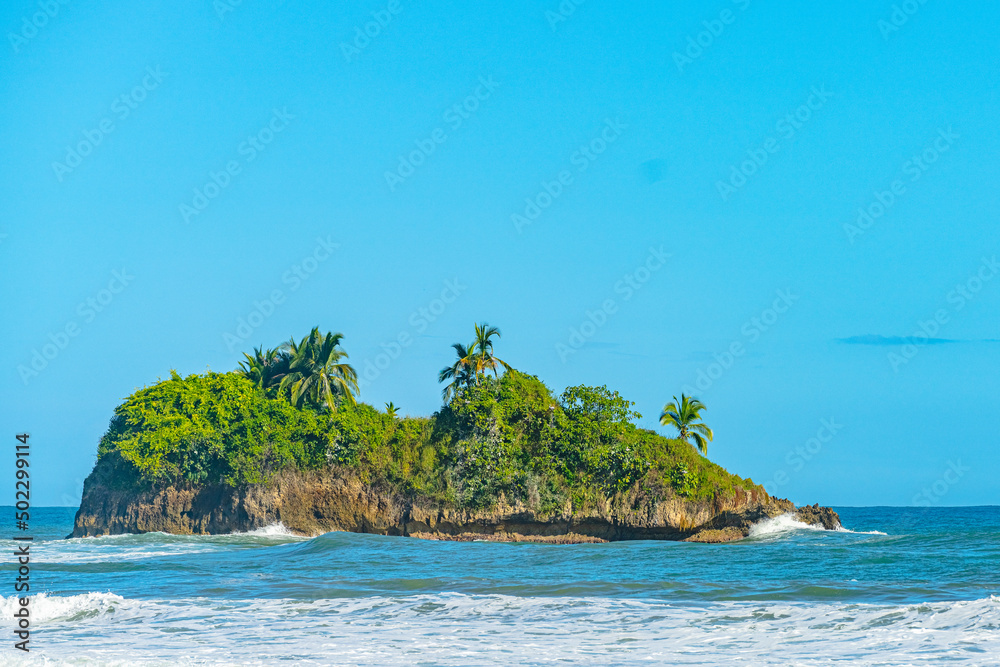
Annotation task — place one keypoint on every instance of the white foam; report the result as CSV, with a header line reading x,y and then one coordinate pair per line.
x,y
841,529
116,536
455,629
129,547
46,608
790,522
780,524
274,530
98,549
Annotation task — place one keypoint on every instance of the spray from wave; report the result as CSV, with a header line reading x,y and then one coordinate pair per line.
x,y
780,524
274,530
132,547
787,523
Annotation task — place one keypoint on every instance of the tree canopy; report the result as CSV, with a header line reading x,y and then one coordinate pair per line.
x,y
498,435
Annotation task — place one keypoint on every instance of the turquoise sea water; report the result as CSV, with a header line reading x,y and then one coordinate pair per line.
x,y
908,587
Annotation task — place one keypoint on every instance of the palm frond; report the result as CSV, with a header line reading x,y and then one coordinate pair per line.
x,y
684,415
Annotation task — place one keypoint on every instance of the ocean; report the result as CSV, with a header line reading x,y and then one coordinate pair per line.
x,y
902,586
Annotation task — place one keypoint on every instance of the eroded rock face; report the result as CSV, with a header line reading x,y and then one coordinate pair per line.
x,y
311,503
819,516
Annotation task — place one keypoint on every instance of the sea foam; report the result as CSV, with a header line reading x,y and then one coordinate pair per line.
x,y
132,547
454,629
789,522
780,524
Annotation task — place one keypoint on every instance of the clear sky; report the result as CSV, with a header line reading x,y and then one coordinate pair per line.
x,y
687,179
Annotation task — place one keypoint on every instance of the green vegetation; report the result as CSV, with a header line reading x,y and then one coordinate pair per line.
x,y
472,363
306,373
499,436
684,415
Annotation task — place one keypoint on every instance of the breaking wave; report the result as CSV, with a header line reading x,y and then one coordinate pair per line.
x,y
130,547
454,629
789,522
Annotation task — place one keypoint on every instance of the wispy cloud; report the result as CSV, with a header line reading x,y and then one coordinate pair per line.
x,y
874,339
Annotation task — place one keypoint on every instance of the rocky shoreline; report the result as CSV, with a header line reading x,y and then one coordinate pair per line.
x,y
312,503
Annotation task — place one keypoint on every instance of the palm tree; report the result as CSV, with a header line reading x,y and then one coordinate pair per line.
x,y
460,373
265,368
684,415
391,410
315,372
473,360
485,359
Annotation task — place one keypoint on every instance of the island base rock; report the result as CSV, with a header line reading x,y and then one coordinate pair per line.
x,y
312,503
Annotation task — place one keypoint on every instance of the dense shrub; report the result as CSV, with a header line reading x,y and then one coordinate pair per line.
x,y
507,438
212,428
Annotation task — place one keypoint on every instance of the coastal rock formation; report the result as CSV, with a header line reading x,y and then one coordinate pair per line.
x,y
819,516
311,503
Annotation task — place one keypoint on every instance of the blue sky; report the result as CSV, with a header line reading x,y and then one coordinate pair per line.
x,y
645,197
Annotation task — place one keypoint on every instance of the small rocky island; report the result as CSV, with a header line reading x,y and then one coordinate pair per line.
x,y
283,440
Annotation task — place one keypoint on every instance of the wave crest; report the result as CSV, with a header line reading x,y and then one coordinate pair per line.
x,y
53,608
273,530
780,524
789,522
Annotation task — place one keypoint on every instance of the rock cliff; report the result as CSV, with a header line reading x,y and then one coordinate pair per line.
x,y
311,503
